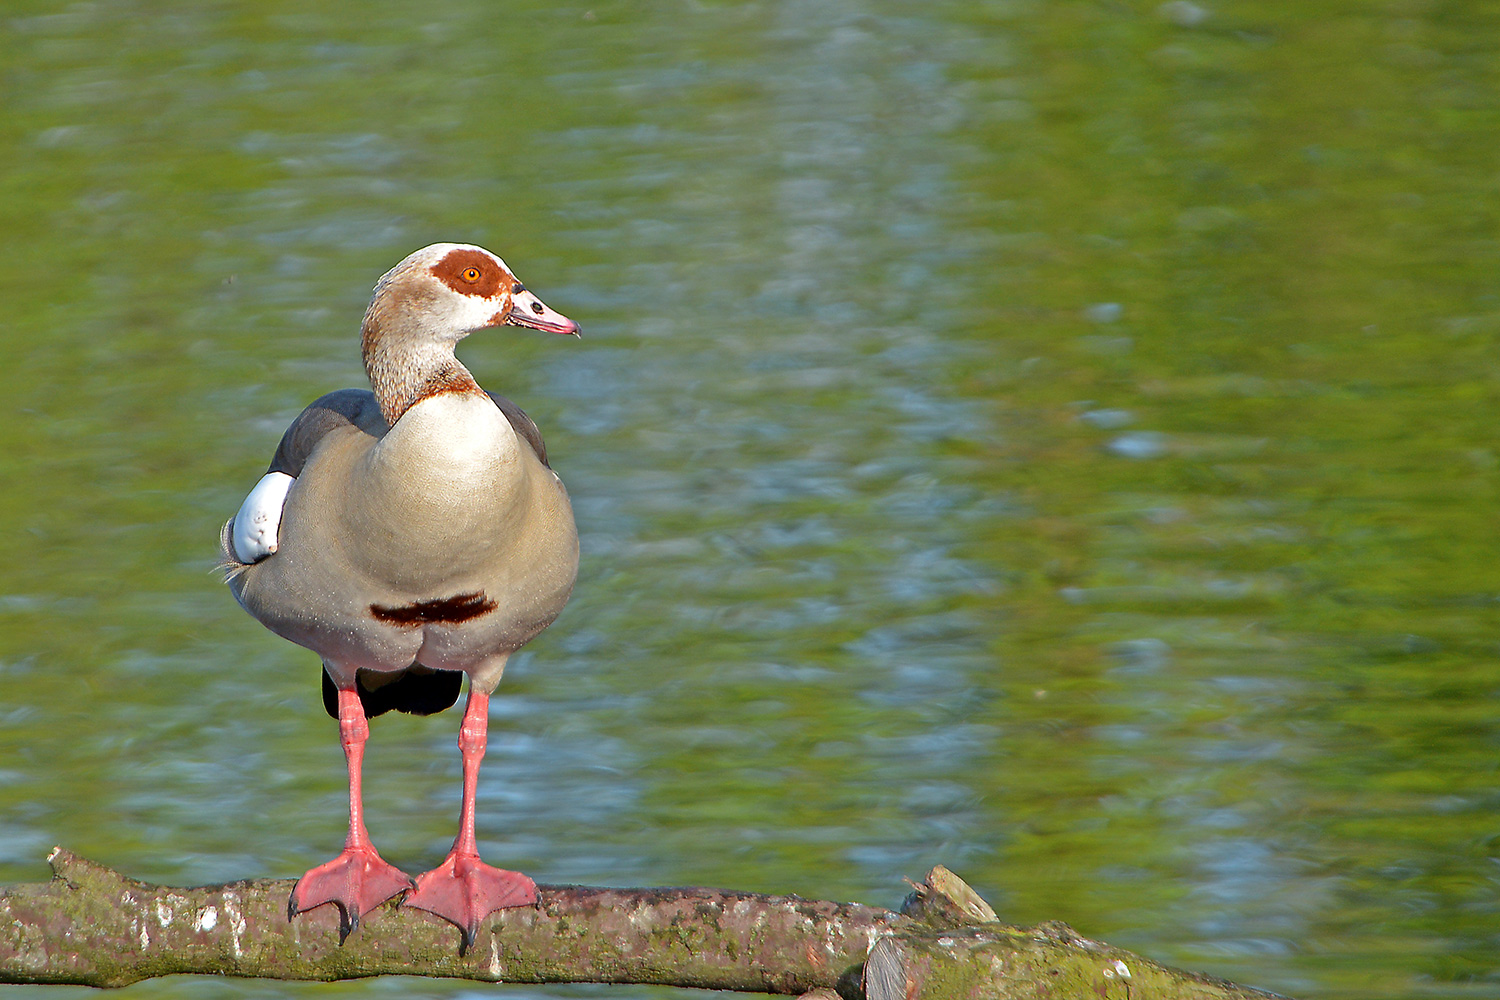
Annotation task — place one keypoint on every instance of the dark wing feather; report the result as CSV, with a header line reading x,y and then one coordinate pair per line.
x,y
522,424
344,408
417,690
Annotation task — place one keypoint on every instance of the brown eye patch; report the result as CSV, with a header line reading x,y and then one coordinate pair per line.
x,y
470,272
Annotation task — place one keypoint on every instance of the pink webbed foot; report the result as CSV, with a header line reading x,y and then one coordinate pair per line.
x,y
464,890
356,881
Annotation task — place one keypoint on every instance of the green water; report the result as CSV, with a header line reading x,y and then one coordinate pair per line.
x,y
1052,439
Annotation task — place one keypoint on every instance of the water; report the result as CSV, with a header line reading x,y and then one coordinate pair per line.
x,y
1052,440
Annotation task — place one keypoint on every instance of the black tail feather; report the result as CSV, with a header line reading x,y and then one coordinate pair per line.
x,y
417,690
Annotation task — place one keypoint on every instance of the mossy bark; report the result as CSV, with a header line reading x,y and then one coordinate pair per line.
x,y
93,926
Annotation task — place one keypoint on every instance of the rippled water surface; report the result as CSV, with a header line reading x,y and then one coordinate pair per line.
x,y
1055,440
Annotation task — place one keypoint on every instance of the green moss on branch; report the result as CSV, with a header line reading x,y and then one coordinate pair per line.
x,y
92,926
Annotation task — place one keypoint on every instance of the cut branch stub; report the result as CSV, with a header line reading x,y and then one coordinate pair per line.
x,y
946,900
954,947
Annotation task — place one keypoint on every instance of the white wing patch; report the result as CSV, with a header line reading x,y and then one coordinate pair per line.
x,y
257,524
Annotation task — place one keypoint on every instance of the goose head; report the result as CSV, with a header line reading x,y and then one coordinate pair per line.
x,y
430,301
446,291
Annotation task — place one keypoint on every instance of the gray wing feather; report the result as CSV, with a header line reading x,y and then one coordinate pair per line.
x,y
522,424
344,408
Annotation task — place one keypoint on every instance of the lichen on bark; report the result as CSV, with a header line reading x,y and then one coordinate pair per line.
x,y
92,926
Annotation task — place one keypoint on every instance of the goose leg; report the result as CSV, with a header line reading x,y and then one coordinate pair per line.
x,y
463,889
359,879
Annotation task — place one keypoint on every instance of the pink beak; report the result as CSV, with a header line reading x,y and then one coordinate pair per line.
x,y
528,310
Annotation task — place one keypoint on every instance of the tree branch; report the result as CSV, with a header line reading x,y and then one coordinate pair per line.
x,y
95,927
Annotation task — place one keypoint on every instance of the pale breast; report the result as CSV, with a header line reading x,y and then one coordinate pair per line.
x,y
443,494
444,449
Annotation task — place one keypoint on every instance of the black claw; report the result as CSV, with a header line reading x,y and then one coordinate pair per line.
x,y
467,936
348,923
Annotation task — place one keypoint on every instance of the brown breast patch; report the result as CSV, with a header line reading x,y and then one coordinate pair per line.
x,y
458,608
455,378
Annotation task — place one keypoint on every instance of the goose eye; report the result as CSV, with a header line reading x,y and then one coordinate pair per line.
x,y
470,274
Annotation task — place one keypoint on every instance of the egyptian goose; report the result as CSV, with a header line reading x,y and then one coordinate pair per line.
x,y
408,536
